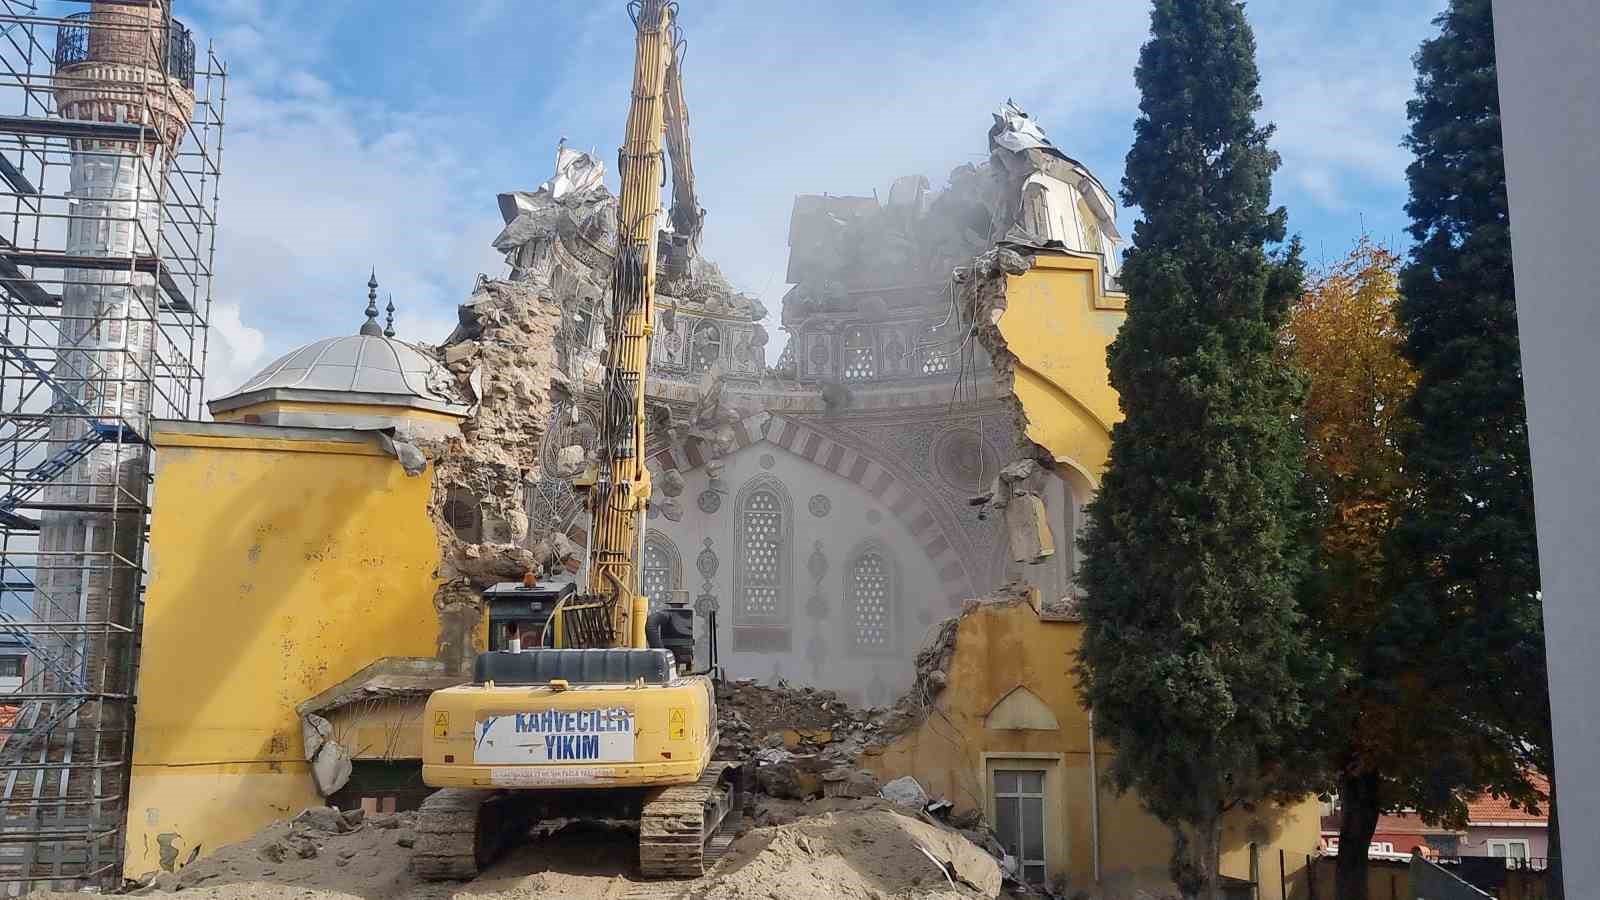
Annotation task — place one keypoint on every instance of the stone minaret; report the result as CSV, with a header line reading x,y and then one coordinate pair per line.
x,y
128,65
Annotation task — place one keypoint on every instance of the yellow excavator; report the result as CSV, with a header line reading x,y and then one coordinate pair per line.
x,y
603,719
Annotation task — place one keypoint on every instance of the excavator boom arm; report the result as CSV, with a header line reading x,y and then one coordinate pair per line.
x,y
618,498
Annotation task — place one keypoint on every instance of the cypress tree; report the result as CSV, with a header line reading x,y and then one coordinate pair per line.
x,y
1194,658
1470,582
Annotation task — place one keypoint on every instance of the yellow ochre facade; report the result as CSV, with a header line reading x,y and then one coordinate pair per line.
x,y
1011,704
1011,701
282,560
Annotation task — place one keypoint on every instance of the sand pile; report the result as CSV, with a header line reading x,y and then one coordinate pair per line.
x,y
856,850
324,855
866,854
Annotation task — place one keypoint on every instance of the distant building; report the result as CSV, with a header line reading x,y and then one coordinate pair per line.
x,y
1496,828
1396,837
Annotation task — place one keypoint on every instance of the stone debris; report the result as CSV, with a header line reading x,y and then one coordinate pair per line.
x,y
1015,493
905,792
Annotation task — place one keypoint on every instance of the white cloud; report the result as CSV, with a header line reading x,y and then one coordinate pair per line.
x,y
235,351
343,154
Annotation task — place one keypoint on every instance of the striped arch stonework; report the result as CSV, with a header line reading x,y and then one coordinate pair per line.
x,y
847,462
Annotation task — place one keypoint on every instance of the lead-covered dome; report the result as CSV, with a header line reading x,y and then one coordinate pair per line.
x,y
369,368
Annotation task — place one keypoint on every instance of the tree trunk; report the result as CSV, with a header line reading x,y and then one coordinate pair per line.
x,y
1209,849
1185,874
1358,799
1554,889
1197,860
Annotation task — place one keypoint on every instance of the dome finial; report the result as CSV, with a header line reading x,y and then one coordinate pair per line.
x,y
370,327
388,330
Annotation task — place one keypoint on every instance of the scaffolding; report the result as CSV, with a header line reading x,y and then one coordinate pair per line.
x,y
110,154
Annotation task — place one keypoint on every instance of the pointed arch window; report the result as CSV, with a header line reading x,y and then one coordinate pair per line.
x,y
762,571
871,592
660,569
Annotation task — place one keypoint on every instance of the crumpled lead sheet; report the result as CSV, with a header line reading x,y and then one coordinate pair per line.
x,y
1017,132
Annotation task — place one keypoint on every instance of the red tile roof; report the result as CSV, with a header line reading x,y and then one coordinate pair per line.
x,y
1498,809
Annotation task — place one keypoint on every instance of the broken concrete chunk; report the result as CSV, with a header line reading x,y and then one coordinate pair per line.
x,y
314,732
772,756
411,459
671,482
793,778
460,353
325,819
569,461
1028,529
843,781
331,769
1021,470
906,792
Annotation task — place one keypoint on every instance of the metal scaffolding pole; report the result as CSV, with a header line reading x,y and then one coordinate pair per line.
x,y
110,153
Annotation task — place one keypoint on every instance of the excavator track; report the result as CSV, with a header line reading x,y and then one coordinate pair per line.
x,y
459,830
679,824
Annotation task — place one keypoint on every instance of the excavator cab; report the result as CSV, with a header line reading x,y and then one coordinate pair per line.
x,y
521,612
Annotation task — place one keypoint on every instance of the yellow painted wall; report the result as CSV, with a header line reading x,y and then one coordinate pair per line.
x,y
1058,322
176,811
278,568
1003,645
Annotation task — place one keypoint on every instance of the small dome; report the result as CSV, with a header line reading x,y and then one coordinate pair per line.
x,y
379,368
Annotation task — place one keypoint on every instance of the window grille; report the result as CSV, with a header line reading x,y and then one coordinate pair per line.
x,y
858,357
870,589
658,571
763,536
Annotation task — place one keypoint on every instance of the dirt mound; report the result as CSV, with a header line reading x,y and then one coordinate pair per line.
x,y
870,854
324,855
854,850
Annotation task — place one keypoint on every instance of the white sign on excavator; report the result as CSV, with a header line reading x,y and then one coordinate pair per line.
x,y
556,736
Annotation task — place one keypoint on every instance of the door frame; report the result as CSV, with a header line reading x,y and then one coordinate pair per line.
x,y
1057,850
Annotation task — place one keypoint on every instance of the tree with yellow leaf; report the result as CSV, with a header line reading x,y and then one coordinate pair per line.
x,y
1389,743
1344,335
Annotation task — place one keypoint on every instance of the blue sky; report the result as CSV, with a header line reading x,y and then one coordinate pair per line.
x,y
365,133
